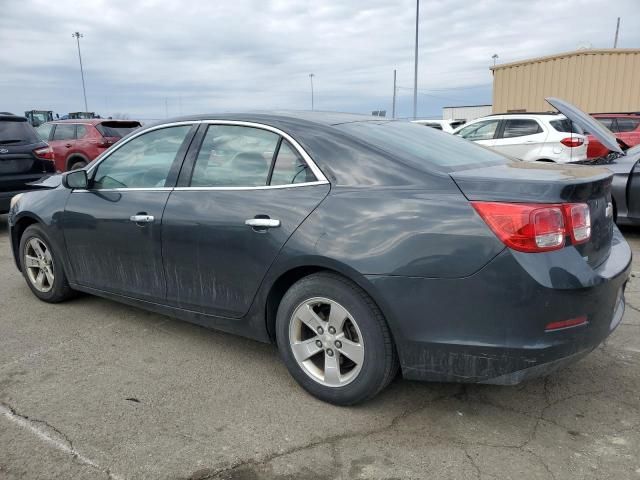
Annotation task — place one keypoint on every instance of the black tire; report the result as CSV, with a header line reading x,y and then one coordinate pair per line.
x,y
380,364
60,289
77,164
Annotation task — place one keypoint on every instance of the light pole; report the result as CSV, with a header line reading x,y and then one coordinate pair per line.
x,y
77,36
415,71
495,58
311,75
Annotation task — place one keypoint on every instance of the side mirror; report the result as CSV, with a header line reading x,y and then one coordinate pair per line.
x,y
75,179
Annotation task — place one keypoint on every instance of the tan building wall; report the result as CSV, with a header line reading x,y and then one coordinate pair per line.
x,y
594,80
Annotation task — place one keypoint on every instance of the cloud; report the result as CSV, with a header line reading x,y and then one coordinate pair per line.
x,y
247,54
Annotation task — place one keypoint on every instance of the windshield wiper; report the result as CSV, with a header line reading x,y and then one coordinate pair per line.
x,y
12,140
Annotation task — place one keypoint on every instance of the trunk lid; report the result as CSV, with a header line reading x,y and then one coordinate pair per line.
x,y
525,182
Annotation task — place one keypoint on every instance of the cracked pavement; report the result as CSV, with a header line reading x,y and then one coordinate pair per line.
x,y
94,389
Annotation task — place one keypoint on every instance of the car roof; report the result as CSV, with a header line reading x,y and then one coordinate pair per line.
x,y
90,121
10,117
281,116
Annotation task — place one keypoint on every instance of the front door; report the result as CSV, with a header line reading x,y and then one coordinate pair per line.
x,y
247,192
112,230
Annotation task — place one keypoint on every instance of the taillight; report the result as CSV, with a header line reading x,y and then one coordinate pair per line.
x,y
572,141
580,217
44,153
530,227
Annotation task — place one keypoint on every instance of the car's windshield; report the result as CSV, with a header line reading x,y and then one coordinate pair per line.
x,y
423,147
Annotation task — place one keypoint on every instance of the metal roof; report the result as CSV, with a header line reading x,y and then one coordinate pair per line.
x,y
589,51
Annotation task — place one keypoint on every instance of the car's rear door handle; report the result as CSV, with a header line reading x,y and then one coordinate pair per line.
x,y
140,218
262,223
68,145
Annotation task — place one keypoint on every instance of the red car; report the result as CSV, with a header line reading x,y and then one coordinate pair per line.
x,y
625,126
76,142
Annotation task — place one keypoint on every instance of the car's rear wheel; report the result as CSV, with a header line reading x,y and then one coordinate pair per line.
x,y
334,340
41,266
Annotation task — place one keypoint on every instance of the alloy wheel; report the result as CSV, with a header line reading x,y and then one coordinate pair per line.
x,y
39,264
326,342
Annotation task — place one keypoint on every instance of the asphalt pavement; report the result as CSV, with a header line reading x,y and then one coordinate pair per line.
x,y
92,389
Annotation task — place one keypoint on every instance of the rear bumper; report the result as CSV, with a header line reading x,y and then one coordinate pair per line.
x,y
490,327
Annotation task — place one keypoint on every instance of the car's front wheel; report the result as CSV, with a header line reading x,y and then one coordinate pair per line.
x,y
334,340
42,267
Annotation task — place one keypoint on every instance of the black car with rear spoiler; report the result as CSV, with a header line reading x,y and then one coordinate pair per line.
x,y
24,158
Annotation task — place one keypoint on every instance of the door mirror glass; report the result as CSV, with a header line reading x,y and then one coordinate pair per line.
x,y
75,179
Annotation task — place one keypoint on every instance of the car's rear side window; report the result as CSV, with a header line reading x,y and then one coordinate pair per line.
x,y
64,132
424,148
290,167
565,126
17,133
81,131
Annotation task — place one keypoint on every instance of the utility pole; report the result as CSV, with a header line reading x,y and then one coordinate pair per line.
x,y
77,36
393,107
415,71
311,75
615,41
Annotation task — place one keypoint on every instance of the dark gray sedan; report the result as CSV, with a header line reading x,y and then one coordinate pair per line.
x,y
360,246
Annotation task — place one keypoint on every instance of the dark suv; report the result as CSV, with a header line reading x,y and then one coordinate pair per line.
x,y
24,157
76,142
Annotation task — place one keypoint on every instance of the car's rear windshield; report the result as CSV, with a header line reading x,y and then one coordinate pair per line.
x,y
17,132
423,147
565,126
116,129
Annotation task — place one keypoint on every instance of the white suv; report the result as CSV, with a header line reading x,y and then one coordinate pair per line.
x,y
546,137
445,125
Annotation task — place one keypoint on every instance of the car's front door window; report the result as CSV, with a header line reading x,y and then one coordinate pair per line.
x,y
480,131
143,162
234,156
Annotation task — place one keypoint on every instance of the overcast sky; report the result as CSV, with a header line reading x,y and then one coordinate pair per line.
x,y
147,58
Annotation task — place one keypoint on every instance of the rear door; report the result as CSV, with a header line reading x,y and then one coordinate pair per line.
x,y
243,191
520,138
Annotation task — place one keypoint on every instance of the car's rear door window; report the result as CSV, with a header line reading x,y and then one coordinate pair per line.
x,y
234,156
81,131
143,162
64,132
520,127
289,167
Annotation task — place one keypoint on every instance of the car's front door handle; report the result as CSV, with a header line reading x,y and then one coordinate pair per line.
x,y
262,222
141,218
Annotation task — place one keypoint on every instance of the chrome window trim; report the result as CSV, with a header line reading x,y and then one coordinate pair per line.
x,y
261,187
321,179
